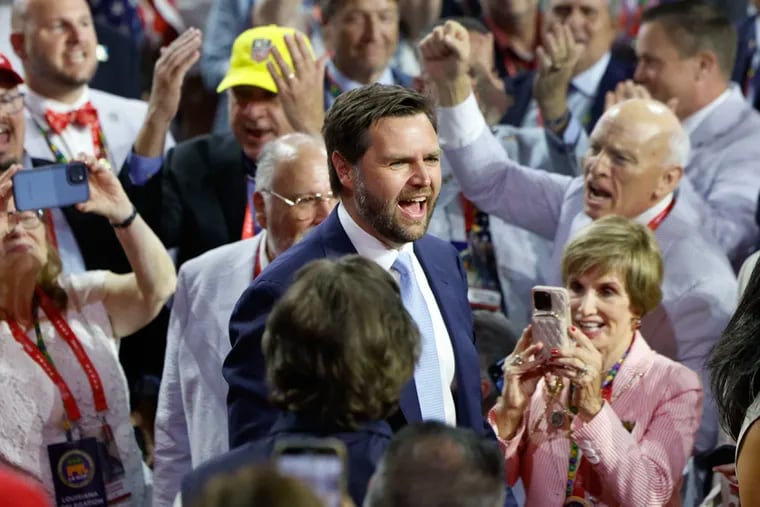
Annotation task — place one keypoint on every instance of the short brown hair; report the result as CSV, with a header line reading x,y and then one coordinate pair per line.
x,y
694,26
257,485
339,344
614,244
347,123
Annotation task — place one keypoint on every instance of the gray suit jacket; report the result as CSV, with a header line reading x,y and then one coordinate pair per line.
x,y
699,286
191,420
120,118
724,176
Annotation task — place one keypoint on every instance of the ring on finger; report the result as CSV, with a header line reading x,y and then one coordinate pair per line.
x,y
583,371
517,361
292,75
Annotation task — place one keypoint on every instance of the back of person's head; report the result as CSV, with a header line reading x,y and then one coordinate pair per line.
x,y
259,485
430,464
339,344
735,361
495,338
695,26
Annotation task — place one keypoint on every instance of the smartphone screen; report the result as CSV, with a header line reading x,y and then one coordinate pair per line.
x,y
496,373
321,469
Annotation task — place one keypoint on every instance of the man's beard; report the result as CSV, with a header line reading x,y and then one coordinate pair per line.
x,y
381,215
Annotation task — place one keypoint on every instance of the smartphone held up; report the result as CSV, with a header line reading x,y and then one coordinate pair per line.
x,y
51,186
550,318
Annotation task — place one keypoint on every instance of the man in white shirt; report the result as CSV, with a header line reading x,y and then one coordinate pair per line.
x,y
686,54
292,196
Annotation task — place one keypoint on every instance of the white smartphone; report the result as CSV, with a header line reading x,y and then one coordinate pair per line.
x,y
550,318
318,462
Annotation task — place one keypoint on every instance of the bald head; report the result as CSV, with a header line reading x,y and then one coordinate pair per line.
x,y
653,122
636,157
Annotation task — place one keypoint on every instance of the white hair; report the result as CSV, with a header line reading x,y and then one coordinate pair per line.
x,y
284,148
679,147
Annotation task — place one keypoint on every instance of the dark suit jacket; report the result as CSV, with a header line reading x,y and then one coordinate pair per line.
x,y
251,415
364,447
521,88
120,74
197,200
745,50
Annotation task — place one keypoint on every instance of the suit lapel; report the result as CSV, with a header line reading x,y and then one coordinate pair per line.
x,y
228,180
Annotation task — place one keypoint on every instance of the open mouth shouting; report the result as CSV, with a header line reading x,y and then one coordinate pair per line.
x,y
597,196
414,208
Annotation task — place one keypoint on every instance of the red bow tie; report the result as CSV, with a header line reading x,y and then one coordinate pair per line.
x,y
86,115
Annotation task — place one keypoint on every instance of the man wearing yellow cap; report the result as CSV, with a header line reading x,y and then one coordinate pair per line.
x,y
201,197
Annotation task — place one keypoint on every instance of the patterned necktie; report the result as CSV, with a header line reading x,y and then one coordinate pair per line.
x,y
427,374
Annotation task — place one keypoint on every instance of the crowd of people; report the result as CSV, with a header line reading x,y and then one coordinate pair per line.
x,y
304,273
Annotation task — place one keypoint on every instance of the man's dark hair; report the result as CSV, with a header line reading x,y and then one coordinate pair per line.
x,y
339,345
348,122
695,26
431,464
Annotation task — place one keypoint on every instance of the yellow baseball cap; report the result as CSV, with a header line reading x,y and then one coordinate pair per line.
x,y
250,54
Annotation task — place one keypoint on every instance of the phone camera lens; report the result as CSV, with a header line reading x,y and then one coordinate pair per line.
x,y
542,301
77,173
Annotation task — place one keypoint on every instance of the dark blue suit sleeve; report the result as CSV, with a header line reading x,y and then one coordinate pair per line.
x,y
249,410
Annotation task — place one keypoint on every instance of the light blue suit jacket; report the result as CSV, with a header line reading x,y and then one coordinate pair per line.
x,y
191,420
699,286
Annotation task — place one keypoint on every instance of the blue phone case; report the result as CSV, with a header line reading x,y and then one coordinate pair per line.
x,y
51,186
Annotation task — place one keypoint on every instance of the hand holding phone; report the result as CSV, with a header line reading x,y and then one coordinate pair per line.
x,y
320,463
550,318
51,186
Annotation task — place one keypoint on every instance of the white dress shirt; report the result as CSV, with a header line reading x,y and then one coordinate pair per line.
x,y
370,247
74,139
692,122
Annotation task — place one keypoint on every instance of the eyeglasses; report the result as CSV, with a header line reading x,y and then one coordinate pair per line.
x,y
11,103
305,206
27,219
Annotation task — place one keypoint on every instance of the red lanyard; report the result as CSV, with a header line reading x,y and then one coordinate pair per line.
x,y
655,222
249,224
63,329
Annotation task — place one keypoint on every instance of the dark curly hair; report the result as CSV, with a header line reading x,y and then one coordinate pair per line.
x,y
339,344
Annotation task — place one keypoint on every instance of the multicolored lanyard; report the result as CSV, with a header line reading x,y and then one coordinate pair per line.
x,y
101,151
656,221
331,85
249,224
574,492
41,356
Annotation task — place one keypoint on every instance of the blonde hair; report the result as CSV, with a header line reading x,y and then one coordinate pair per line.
x,y
47,279
614,244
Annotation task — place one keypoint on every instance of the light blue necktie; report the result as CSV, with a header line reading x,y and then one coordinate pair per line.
x,y
427,374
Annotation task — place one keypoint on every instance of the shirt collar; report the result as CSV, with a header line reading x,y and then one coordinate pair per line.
x,y
263,258
37,104
587,82
655,210
345,84
367,245
693,121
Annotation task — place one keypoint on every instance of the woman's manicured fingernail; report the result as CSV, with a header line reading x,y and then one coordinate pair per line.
x,y
555,352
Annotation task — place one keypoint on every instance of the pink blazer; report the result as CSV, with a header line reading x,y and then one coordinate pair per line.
x,y
637,446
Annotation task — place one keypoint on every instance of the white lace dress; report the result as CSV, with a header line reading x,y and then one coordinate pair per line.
x,y
31,410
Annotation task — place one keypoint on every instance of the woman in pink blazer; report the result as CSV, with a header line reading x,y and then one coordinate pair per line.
x,y
607,421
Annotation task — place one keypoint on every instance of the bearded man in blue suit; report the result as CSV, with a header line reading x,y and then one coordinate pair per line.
x,y
384,162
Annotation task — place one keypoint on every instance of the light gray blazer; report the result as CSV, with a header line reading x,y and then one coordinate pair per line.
x,y
120,118
724,176
699,286
518,252
191,420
